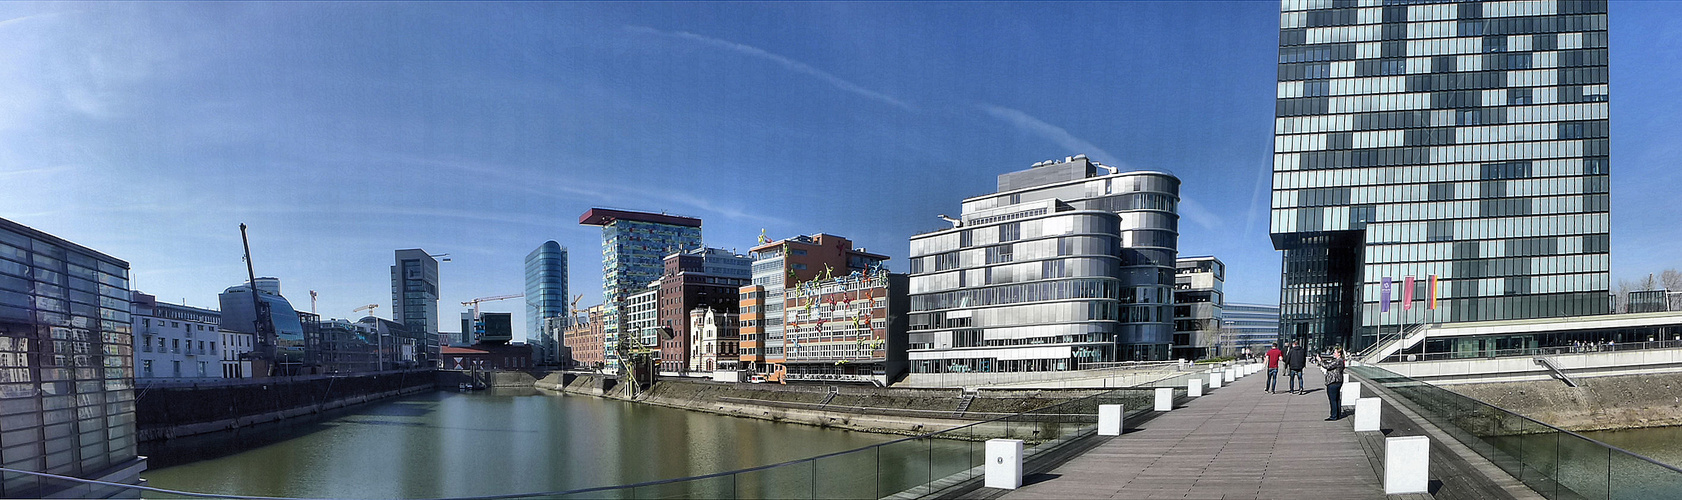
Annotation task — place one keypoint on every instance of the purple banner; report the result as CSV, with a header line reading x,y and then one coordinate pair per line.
x,y
1384,295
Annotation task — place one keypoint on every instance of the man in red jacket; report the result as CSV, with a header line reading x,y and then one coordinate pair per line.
x,y
1273,356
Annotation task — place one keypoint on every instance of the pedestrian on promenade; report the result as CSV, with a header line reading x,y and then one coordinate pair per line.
x,y
1273,356
1334,382
1295,360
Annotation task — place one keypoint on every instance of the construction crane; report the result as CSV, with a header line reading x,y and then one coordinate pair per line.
x,y
370,308
262,323
312,301
475,302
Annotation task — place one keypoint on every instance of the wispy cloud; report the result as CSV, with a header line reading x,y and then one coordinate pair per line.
x,y
1191,209
1056,134
785,62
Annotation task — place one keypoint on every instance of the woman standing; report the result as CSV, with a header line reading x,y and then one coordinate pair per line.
x,y
1334,382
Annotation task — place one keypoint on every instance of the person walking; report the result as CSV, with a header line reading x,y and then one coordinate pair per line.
x,y
1334,382
1273,356
1295,360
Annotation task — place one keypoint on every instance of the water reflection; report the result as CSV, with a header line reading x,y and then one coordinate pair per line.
x,y
494,442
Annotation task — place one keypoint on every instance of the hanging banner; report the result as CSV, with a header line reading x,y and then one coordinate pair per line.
x,y
1431,302
1384,295
1407,293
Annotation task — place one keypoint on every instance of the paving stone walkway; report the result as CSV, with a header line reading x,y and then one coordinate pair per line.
x,y
1234,442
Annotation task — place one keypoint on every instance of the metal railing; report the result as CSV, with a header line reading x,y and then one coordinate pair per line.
x,y
910,467
1554,462
1537,351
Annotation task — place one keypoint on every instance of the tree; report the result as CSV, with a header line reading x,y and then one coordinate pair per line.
x,y
1671,279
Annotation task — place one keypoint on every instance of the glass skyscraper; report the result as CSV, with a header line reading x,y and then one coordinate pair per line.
x,y
546,297
1462,141
414,300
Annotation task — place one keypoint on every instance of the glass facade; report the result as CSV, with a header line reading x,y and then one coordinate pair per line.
x,y
66,362
634,248
546,297
414,302
1198,299
1462,140
1249,325
1061,268
239,315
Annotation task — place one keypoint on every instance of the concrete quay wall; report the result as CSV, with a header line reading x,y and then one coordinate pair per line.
x,y
176,411
903,411
1597,403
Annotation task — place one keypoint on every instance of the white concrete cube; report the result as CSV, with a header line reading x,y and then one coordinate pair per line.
x,y
1229,375
1351,392
1004,464
1407,465
1109,420
1366,414
1194,388
1215,380
1164,398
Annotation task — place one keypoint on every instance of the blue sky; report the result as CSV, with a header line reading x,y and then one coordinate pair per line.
x,y
343,131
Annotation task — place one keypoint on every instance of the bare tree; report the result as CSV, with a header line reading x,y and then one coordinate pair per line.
x,y
1671,279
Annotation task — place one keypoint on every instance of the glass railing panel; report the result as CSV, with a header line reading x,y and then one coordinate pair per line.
x,y
1584,467
709,487
848,475
903,467
1538,454
794,480
1635,478
950,458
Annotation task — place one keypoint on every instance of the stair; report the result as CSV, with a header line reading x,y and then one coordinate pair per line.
x,y
833,392
1557,373
964,402
1412,337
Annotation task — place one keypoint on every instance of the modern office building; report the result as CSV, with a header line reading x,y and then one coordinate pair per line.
x,y
284,352
1198,297
697,278
174,342
546,298
66,367
716,338
1061,268
1247,325
396,347
1460,148
778,265
642,319
846,328
499,328
346,347
414,301
634,245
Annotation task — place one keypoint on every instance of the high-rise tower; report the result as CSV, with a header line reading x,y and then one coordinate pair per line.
x,y
634,247
546,297
1460,148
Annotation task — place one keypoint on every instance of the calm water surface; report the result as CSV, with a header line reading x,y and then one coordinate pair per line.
x,y
496,442
1658,443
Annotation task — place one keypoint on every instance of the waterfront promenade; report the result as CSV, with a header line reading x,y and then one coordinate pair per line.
x,y
1234,442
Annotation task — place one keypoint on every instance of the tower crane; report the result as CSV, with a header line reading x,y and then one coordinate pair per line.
x,y
479,324
494,298
370,308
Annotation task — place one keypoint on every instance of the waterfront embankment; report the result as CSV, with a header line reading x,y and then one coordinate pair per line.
x,y
1597,403
164,412
905,411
